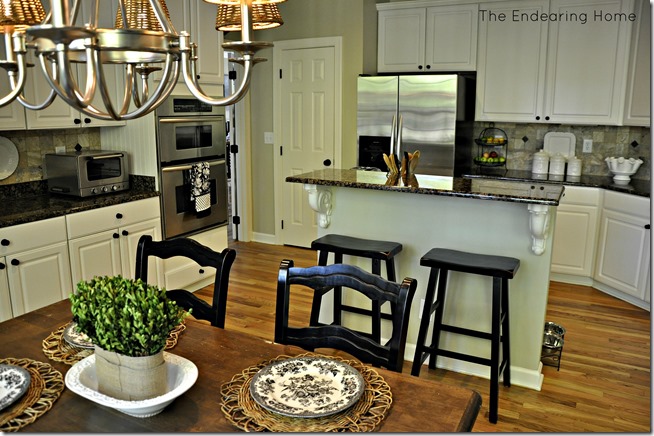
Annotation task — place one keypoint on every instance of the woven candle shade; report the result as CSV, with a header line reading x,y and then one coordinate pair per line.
x,y
264,16
140,15
21,13
238,2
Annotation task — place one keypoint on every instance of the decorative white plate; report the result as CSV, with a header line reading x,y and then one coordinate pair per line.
x,y
8,158
14,381
75,337
182,374
307,387
560,142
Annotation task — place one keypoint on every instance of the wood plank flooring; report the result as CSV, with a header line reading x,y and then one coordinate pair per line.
x,y
604,384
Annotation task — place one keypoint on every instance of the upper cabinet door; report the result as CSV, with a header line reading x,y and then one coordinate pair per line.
x,y
587,62
637,109
511,63
401,40
451,43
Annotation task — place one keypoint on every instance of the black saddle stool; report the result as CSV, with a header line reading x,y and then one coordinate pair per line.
x,y
501,269
375,250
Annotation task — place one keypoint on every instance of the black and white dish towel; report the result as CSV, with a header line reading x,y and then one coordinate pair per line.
x,y
200,187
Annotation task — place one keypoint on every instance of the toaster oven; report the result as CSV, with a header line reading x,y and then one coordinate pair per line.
x,y
86,173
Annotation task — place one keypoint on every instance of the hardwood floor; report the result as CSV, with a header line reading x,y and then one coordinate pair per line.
x,y
604,383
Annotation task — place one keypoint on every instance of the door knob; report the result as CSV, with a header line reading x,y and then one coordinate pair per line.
x,y
327,162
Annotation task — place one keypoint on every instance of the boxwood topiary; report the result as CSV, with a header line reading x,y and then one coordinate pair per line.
x,y
123,315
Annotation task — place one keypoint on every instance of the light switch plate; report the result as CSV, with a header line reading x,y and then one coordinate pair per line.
x,y
268,138
588,146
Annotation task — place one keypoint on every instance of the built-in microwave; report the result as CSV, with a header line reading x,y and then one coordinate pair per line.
x,y
86,173
189,130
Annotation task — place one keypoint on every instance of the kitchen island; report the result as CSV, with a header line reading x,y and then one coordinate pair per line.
x,y
506,218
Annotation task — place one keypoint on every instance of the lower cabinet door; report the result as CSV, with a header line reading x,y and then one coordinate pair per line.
x,y
5,298
38,278
95,255
129,239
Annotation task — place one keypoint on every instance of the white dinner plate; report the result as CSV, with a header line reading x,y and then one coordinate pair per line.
x,y
8,158
14,381
307,387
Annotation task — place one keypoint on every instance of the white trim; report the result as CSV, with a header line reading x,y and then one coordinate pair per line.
x,y
264,238
336,42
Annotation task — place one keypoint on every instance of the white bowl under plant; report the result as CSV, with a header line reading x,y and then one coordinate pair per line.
x,y
623,168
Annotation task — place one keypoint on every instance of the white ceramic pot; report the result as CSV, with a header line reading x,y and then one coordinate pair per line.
x,y
557,165
541,162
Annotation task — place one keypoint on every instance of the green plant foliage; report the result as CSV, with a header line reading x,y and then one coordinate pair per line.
x,y
123,315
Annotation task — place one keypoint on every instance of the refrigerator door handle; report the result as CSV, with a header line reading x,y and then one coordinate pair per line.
x,y
398,144
393,131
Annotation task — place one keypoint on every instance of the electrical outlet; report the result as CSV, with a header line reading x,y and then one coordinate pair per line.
x,y
268,138
588,146
60,149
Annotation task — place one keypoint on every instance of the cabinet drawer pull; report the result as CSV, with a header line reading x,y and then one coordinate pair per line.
x,y
116,235
5,242
15,262
125,232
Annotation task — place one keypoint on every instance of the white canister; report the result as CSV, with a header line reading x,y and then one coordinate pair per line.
x,y
557,165
574,166
541,162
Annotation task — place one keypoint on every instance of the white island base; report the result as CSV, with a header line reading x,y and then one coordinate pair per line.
x,y
422,222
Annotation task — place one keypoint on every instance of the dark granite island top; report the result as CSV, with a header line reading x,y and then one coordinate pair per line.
x,y
518,191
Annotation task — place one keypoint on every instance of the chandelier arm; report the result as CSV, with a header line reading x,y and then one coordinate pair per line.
x,y
100,78
166,24
66,87
134,86
129,79
16,84
195,89
51,95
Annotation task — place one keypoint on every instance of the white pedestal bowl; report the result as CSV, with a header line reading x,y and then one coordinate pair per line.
x,y
622,168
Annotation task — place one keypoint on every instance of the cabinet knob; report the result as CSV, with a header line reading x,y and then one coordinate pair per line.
x,y
2,266
201,271
87,120
646,226
537,118
15,262
327,162
5,242
547,118
198,77
116,235
420,67
125,232
429,67
119,215
77,121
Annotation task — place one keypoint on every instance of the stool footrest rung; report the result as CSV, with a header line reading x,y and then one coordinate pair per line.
x,y
462,356
465,331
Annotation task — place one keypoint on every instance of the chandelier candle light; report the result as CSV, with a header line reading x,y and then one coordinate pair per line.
x,y
144,40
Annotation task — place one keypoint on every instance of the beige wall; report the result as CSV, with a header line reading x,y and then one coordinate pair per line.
x,y
308,19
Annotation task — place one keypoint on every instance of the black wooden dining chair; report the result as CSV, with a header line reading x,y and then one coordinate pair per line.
x,y
204,257
400,295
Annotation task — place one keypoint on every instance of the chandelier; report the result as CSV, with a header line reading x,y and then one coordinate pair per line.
x,y
143,41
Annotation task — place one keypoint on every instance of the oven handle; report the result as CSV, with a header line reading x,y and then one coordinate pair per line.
x,y
189,119
188,167
105,156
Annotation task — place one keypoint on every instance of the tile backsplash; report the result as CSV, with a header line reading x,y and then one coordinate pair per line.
x,y
32,145
608,141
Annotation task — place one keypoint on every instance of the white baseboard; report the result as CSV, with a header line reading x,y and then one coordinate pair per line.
x,y
264,238
571,279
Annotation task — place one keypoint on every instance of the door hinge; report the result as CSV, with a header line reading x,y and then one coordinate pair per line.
x,y
280,73
282,224
236,220
232,75
233,148
281,151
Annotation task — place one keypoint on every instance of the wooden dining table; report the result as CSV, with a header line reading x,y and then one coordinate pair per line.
x,y
418,405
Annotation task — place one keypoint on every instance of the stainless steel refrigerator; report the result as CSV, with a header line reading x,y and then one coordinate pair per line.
x,y
431,113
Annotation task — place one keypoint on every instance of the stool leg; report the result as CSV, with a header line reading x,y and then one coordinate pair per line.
x,y
427,310
376,306
338,295
438,317
506,348
495,349
317,295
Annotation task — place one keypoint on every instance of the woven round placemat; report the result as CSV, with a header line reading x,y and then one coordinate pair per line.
x,y
242,411
56,348
46,384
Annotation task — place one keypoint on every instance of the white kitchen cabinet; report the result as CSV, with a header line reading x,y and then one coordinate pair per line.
x,y
5,298
37,269
199,19
60,115
575,233
623,253
103,241
12,116
424,39
637,108
563,71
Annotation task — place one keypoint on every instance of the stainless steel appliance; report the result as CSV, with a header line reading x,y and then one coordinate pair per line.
x,y
432,113
190,132
86,173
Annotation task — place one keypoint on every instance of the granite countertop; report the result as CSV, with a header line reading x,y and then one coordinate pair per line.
x,y
477,188
636,187
23,203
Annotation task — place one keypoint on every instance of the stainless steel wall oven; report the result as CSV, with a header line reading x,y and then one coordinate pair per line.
x,y
191,134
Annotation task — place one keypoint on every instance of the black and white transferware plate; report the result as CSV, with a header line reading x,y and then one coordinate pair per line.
x,y
307,387
14,381
76,338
